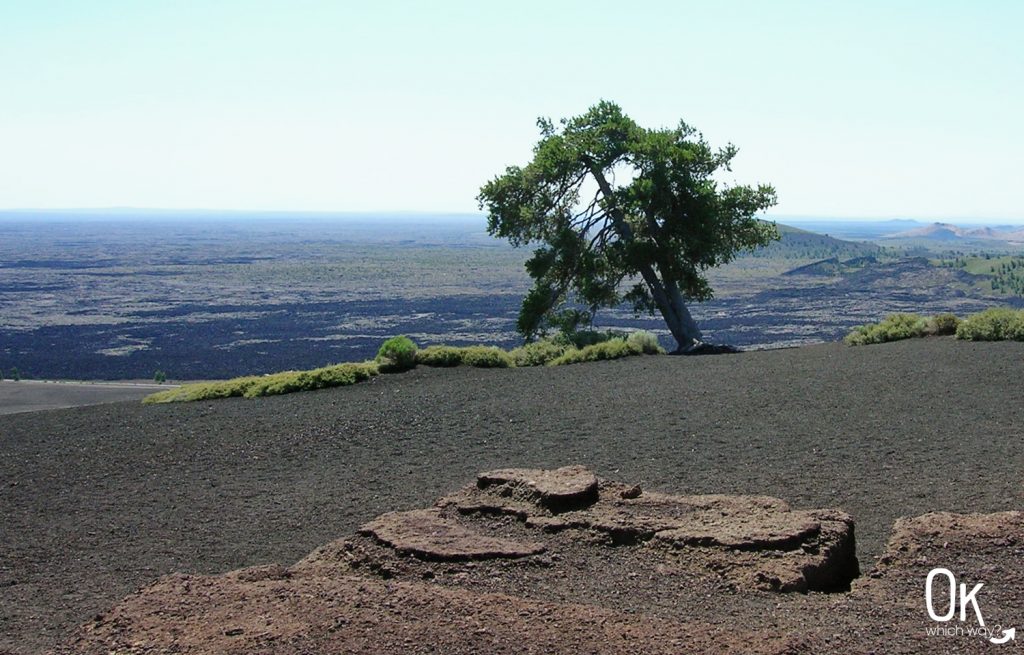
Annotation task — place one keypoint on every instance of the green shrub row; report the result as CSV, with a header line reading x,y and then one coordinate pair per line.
x,y
439,356
996,324
894,327
401,354
538,353
478,356
611,349
252,386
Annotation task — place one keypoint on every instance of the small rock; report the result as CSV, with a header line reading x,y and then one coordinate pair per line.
x,y
632,492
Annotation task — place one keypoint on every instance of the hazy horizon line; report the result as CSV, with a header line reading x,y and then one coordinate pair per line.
x,y
467,214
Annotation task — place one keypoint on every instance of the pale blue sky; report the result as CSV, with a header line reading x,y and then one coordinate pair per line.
x,y
860,109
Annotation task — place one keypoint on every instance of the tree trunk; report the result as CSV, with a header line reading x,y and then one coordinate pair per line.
x,y
673,309
666,295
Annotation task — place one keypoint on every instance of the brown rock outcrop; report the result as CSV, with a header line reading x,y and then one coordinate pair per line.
x,y
427,534
531,562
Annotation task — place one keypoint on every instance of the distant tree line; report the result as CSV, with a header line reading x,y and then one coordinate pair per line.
x,y
1006,274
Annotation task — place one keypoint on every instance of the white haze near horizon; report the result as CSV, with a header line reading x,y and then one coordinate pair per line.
x,y
870,109
426,218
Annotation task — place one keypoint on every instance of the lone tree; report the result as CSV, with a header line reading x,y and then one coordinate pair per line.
x,y
622,214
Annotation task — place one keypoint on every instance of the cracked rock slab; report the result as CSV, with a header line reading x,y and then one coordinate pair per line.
x,y
562,489
428,535
754,541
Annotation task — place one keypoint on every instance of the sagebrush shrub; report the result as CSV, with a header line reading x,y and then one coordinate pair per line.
x,y
943,324
892,328
996,324
646,342
252,386
537,353
611,349
397,354
584,338
486,357
439,356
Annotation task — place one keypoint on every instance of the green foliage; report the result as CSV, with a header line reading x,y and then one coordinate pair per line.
x,y
996,324
534,354
478,356
645,342
538,353
611,349
269,385
444,356
1001,274
584,338
892,328
942,325
159,377
1,375
397,354
486,357
15,374
660,230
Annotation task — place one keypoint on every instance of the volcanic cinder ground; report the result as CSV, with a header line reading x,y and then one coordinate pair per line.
x,y
101,502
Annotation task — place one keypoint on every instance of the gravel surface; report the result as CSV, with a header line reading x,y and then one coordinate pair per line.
x,y
101,500
37,395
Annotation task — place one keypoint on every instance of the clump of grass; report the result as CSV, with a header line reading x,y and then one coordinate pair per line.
x,y
252,386
646,342
892,328
397,354
537,353
443,356
611,349
486,357
996,324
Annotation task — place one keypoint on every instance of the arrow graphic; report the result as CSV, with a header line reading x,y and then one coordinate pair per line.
x,y
1008,634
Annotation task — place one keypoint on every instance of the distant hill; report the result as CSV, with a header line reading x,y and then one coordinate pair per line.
x,y
833,266
857,229
796,243
950,232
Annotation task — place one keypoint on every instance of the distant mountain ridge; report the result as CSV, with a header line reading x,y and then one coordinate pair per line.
x,y
951,232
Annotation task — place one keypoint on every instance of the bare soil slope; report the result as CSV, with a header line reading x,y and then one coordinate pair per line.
x,y
100,501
